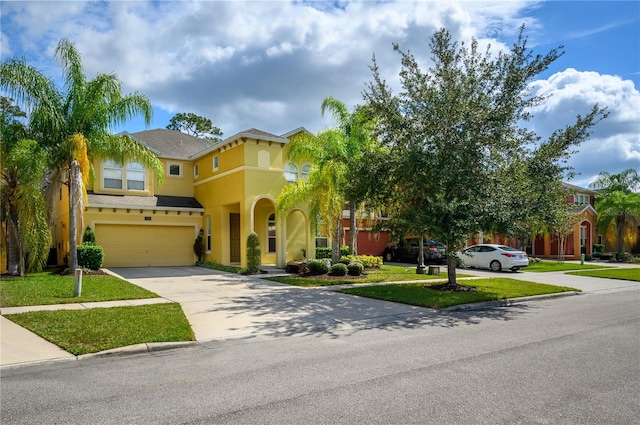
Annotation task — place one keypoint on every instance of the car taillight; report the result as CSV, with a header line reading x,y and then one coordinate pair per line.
x,y
506,254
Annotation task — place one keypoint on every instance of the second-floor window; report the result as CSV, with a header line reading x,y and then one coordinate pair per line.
x,y
114,175
135,176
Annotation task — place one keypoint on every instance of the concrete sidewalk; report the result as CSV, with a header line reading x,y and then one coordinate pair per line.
x,y
222,306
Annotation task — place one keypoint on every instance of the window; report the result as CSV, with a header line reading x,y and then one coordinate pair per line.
x,y
195,170
215,162
322,242
112,175
304,172
175,170
271,232
290,172
208,230
135,176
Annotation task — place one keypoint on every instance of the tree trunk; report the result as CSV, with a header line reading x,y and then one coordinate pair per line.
x,y
335,244
451,270
13,243
73,222
353,230
621,228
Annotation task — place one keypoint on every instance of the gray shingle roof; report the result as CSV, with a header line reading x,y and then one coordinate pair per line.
x,y
123,201
172,143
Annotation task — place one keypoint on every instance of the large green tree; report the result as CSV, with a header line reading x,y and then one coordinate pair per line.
x,y
73,122
456,135
195,125
22,203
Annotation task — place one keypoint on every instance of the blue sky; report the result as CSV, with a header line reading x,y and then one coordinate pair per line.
x,y
269,64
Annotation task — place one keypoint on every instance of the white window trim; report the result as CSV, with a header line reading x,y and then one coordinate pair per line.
x,y
215,163
171,164
144,176
195,170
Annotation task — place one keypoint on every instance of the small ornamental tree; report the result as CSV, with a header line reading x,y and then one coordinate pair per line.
x,y
198,248
89,236
253,253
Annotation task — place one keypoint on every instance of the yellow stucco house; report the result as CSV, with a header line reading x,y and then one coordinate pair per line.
x,y
223,191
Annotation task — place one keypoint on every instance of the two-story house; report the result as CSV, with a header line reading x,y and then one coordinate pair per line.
x,y
222,191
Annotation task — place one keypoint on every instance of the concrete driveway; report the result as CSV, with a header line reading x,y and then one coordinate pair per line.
x,y
227,306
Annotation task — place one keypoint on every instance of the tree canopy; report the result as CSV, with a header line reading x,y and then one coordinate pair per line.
x,y
461,153
195,125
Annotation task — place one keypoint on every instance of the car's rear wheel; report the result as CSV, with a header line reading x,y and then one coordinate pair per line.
x,y
495,266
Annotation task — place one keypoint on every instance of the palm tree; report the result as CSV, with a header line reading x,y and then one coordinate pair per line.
x,y
21,199
618,214
324,190
72,123
356,129
337,156
625,181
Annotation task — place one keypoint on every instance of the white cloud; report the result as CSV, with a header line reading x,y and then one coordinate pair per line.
x,y
269,64
614,144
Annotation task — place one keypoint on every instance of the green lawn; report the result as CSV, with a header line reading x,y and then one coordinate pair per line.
x,y
384,274
554,266
99,329
614,273
487,290
50,288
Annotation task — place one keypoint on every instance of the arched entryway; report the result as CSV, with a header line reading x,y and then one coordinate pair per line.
x,y
265,226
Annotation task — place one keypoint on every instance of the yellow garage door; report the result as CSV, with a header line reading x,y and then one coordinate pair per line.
x,y
146,246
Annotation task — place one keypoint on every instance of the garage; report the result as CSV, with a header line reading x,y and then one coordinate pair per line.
x,y
146,245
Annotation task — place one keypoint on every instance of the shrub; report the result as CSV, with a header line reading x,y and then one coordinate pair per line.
x,y
325,253
253,253
368,261
623,257
588,257
318,267
198,248
338,269
355,268
89,236
90,256
598,248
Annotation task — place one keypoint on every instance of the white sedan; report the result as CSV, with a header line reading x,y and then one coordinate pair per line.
x,y
494,257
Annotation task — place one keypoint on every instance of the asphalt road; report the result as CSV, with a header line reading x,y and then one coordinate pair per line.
x,y
571,360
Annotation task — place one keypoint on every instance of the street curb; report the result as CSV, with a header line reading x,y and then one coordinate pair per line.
x,y
507,302
147,347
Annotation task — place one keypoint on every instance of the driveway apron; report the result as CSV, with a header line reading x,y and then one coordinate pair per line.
x,y
222,305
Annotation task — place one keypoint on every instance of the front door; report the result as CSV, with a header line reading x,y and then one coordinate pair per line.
x,y
234,237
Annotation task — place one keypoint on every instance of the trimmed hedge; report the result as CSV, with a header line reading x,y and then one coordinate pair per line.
x,y
90,256
368,261
355,268
325,253
318,267
338,269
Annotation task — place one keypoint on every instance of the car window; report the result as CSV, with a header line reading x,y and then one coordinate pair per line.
x,y
507,248
487,249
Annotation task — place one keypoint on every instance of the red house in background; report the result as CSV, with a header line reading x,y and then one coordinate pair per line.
x,y
547,246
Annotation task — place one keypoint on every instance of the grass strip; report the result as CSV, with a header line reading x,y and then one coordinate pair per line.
x,y
98,329
617,273
47,287
554,266
491,289
385,274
